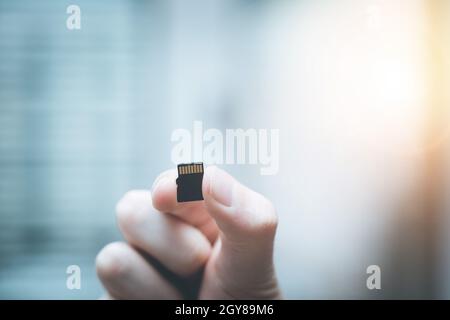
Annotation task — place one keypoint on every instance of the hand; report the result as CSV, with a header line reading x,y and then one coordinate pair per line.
x,y
222,246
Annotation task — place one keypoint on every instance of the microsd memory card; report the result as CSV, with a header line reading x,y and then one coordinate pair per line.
x,y
189,182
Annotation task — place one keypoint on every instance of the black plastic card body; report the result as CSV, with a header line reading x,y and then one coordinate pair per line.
x,y
189,182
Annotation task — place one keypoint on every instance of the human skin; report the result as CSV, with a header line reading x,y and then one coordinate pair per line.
x,y
224,243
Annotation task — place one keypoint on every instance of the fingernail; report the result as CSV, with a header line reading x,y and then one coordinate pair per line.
x,y
221,185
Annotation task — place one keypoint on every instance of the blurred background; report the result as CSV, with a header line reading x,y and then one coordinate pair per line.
x,y
360,90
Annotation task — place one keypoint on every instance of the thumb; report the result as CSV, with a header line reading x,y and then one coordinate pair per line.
x,y
247,223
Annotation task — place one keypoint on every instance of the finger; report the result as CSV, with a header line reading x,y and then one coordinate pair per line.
x,y
106,296
242,214
180,247
247,223
164,193
127,275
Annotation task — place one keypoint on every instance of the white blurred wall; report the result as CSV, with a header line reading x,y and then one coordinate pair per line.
x,y
343,81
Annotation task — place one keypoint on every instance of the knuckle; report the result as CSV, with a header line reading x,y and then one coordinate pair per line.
x,y
112,260
131,210
198,255
271,219
263,219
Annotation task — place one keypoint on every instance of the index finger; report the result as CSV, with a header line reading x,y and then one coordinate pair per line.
x,y
164,196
